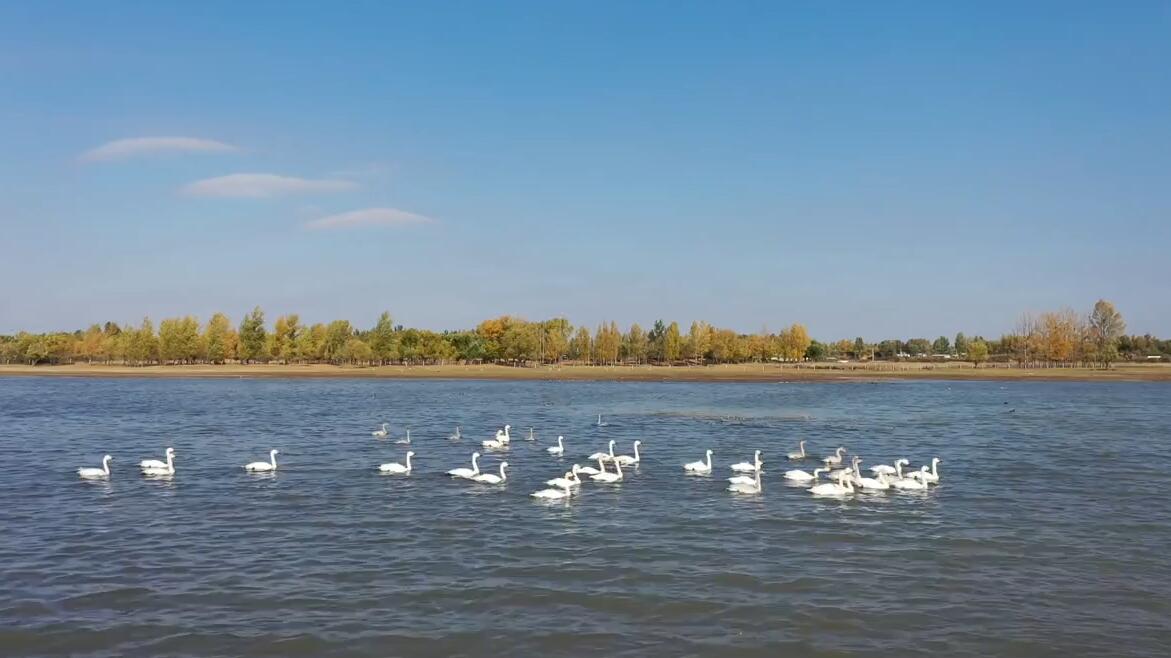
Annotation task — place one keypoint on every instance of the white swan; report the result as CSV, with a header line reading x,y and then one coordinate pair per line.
x,y
801,476
600,423
607,477
156,467
531,437
498,442
262,467
405,441
834,459
396,468
800,454
753,487
467,473
627,460
883,469
381,434
490,478
745,467
881,482
899,464
700,467
909,483
457,436
840,488
590,470
552,494
924,475
848,471
604,456
570,479
505,437
933,476
558,449
94,473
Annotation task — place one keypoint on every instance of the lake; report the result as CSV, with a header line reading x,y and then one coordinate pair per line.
x,y
1047,536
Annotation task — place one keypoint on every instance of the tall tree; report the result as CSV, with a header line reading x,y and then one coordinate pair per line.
x,y
337,334
859,348
699,340
794,342
580,344
556,339
252,336
144,345
672,343
215,338
285,332
961,344
635,344
655,341
382,340
941,346
977,352
1106,326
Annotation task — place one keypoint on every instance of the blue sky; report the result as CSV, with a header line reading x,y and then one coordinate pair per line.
x,y
875,169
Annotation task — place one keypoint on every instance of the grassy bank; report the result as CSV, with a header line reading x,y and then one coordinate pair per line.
x,y
733,373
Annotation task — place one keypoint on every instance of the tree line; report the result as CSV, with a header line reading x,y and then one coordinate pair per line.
x,y
1054,338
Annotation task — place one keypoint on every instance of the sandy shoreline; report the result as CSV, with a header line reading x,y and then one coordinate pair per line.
x,y
721,373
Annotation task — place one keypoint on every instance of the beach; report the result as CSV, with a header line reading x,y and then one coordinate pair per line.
x,y
748,372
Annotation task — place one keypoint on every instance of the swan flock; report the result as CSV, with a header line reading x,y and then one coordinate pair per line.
x,y
842,478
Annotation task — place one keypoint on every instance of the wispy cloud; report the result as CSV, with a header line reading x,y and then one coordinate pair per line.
x,y
261,186
369,217
363,172
120,149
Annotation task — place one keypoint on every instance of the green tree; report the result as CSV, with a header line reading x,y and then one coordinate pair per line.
x,y
941,346
977,352
354,351
143,346
859,348
311,343
961,344
1106,326
179,340
655,341
919,347
337,334
521,341
382,340
468,345
580,345
635,344
285,332
252,336
817,351
215,338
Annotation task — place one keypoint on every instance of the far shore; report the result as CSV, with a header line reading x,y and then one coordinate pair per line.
x,y
715,373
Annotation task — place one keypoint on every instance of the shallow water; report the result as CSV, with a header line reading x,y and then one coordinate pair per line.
x,y
1048,535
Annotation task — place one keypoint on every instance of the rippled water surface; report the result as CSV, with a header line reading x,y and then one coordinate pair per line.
x,y
1049,534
